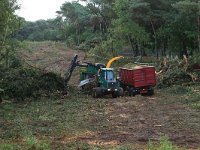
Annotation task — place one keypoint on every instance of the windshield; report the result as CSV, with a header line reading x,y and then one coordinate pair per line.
x,y
109,75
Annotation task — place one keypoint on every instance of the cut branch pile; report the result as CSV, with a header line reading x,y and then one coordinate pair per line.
x,y
20,83
176,72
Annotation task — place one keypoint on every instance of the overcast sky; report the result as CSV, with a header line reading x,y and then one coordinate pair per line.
x,y
33,10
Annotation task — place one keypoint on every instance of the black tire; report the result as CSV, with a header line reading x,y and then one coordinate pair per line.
x,y
120,92
131,92
114,95
150,92
97,92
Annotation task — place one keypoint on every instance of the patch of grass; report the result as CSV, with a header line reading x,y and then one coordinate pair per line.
x,y
79,145
164,144
192,97
189,95
197,105
177,90
31,142
10,147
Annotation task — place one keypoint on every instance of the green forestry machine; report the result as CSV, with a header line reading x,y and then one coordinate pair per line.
x,y
101,77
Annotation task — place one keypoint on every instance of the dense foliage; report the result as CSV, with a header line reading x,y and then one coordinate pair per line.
x,y
110,26
39,31
9,24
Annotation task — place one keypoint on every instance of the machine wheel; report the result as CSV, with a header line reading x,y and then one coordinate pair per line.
x,y
150,92
97,92
120,92
114,95
131,92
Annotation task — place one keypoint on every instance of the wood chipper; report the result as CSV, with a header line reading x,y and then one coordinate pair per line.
x,y
102,77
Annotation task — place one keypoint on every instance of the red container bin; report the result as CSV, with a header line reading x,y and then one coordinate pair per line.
x,y
142,77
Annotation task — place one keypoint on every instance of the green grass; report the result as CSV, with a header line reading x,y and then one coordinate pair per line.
x,y
192,97
31,142
164,144
10,147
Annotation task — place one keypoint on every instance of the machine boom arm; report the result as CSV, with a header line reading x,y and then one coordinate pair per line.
x,y
70,69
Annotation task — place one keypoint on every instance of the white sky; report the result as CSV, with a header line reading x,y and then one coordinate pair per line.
x,y
33,10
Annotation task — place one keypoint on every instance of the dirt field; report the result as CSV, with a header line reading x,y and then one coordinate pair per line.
x,y
104,123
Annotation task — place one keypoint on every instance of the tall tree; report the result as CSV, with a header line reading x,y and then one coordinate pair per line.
x,y
102,13
75,15
151,15
125,26
190,10
9,23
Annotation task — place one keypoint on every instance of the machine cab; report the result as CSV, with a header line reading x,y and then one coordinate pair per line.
x,y
107,74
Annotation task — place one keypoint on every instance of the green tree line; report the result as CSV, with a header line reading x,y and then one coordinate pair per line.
x,y
109,27
39,30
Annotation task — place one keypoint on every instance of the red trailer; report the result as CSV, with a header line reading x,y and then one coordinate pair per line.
x,y
138,81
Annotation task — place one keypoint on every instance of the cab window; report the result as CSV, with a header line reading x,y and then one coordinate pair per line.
x,y
109,75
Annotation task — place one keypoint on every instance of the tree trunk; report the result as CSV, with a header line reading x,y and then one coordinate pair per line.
x,y
78,35
155,38
139,49
131,43
7,58
164,46
184,49
163,49
199,33
134,49
6,32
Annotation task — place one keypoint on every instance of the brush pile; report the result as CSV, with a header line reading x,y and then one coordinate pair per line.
x,y
177,72
20,83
